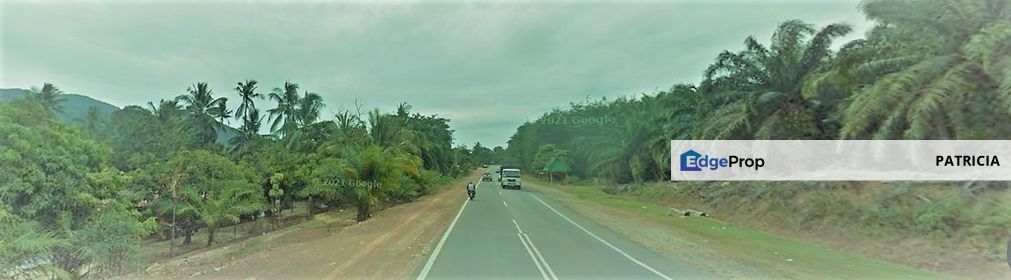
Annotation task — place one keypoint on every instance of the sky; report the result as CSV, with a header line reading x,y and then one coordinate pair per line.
x,y
487,66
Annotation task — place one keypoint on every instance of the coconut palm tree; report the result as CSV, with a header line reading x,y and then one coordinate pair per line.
x,y
167,111
247,92
283,118
203,109
249,132
308,109
222,112
50,96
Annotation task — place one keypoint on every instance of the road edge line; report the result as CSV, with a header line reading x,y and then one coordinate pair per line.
x,y
438,248
630,257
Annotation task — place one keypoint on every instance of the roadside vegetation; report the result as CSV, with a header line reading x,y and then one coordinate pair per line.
x,y
77,200
775,255
928,69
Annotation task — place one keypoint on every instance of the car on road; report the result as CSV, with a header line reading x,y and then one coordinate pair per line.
x,y
486,177
511,178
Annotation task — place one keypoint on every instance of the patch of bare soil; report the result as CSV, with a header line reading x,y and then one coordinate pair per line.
x,y
390,245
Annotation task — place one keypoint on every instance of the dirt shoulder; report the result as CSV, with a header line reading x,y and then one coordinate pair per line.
x,y
390,245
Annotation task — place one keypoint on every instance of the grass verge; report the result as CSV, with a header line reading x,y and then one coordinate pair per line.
x,y
780,257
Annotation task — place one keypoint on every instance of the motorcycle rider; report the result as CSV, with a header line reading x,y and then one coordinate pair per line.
x,y
471,189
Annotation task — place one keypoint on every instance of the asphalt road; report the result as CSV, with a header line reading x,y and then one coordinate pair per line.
x,y
519,234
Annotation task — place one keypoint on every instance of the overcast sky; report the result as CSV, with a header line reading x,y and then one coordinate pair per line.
x,y
486,66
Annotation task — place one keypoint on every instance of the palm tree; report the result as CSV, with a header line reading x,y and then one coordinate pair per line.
x,y
307,111
249,132
247,91
214,209
93,121
50,97
283,118
222,112
758,91
28,242
939,71
167,111
370,172
203,109
308,131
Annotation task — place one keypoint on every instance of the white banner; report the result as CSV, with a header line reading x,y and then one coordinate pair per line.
x,y
841,160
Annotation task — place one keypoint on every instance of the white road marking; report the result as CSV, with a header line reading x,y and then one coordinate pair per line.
x,y
538,264
535,254
543,261
504,203
633,259
431,260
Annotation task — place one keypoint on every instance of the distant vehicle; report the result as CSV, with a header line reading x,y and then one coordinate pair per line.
x,y
510,178
486,177
484,166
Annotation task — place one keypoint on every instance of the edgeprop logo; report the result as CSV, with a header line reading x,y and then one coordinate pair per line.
x,y
694,161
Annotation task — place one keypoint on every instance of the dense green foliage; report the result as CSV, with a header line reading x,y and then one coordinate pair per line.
x,y
928,69
63,202
77,199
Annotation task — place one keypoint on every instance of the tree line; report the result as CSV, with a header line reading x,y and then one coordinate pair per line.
x,y
927,69
76,200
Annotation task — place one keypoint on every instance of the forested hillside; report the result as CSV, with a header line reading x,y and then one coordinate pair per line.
x,y
928,69
76,199
74,107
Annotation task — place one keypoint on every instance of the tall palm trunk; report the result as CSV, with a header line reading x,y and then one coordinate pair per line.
x,y
189,238
363,211
210,235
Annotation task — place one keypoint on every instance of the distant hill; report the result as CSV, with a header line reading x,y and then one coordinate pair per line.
x,y
75,107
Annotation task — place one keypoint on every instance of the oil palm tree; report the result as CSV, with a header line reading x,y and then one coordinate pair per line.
x,y
372,172
222,205
947,71
757,92
27,242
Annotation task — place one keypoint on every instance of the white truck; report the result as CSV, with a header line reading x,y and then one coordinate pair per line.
x,y
510,178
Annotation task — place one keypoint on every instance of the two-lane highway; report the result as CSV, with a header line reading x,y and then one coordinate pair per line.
x,y
519,234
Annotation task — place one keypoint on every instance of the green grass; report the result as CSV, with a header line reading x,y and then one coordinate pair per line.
x,y
753,247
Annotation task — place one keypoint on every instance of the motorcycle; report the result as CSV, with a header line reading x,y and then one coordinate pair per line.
x,y
471,194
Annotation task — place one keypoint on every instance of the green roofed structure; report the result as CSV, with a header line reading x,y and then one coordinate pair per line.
x,y
556,166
